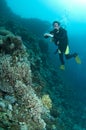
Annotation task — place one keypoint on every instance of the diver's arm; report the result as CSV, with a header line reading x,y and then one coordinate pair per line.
x,y
47,35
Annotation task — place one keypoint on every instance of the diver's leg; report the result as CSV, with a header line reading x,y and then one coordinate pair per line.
x,y
69,56
62,67
75,55
61,58
67,53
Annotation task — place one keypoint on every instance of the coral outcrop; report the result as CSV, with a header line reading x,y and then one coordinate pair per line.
x,y
9,42
15,87
47,101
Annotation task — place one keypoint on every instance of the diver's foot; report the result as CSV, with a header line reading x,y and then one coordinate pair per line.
x,y
75,54
62,67
77,59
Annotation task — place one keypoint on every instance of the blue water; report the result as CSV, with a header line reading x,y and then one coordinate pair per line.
x,y
75,22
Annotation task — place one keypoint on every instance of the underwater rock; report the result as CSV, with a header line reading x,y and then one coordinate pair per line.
x,y
5,87
2,105
23,126
4,32
9,42
9,98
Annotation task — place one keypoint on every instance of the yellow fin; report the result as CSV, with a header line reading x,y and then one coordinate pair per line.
x,y
78,60
62,67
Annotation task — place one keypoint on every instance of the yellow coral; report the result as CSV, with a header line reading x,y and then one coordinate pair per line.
x,y
47,101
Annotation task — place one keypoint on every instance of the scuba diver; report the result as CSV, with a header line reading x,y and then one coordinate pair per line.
x,y
60,38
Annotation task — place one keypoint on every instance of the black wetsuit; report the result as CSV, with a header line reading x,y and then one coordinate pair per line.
x,y
61,37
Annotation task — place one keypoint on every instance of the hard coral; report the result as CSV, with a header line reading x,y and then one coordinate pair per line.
x,y
47,101
9,42
15,76
27,97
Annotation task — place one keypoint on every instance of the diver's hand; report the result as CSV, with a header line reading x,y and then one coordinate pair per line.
x,y
47,35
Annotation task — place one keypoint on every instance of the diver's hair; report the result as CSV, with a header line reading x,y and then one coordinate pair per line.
x,y
56,22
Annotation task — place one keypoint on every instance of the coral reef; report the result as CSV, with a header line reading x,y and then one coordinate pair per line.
x,y
15,85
